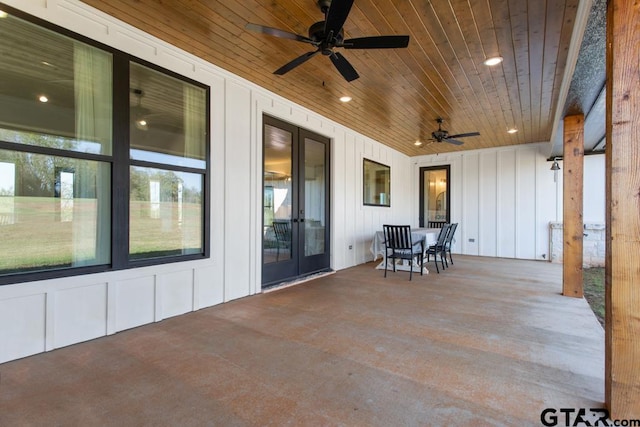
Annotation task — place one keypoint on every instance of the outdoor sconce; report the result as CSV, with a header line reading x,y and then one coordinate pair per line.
x,y
555,167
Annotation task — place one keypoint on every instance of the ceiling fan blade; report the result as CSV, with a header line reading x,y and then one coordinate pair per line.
x,y
377,42
337,15
453,141
298,61
277,33
463,135
346,69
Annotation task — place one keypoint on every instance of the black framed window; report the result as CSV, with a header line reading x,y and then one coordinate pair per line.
x,y
376,184
103,157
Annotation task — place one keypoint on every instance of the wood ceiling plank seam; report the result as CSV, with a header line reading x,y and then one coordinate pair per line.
x,y
554,19
358,16
519,30
312,107
421,43
408,69
393,15
168,33
471,36
432,85
537,26
487,36
417,92
501,17
567,34
468,88
377,56
327,113
274,42
461,79
278,15
248,72
440,67
394,20
570,13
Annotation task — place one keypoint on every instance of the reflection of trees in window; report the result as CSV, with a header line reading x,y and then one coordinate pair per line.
x,y
171,186
37,173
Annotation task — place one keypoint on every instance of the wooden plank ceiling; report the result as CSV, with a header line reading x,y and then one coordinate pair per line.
x,y
400,92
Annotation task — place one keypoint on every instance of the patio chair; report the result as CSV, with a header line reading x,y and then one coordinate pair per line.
x,y
436,224
399,245
438,248
449,241
282,230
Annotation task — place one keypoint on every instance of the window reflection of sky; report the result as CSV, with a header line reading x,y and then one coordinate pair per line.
x,y
7,179
149,156
54,141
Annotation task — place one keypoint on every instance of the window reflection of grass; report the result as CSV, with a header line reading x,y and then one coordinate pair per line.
x,y
36,238
168,234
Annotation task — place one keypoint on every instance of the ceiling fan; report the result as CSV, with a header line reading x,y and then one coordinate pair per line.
x,y
328,34
442,135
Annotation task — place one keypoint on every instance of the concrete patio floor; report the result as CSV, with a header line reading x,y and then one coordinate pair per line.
x,y
486,342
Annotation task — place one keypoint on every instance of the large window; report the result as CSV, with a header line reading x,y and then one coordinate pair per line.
x,y
84,186
167,129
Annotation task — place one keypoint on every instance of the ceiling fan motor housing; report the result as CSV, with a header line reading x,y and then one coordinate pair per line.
x,y
439,135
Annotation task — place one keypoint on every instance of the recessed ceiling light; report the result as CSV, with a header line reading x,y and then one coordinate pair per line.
x,y
43,98
417,143
345,98
512,130
493,60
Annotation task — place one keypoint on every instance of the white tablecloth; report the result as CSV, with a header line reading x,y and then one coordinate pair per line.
x,y
429,235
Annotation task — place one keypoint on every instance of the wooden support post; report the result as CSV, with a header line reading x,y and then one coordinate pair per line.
x,y
622,276
573,165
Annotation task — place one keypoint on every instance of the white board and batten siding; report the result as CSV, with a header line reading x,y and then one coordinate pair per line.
x,y
44,315
503,199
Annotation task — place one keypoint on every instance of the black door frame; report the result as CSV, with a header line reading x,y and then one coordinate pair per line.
x,y
299,265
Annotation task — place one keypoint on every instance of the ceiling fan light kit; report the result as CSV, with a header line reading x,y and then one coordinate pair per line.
x,y
329,34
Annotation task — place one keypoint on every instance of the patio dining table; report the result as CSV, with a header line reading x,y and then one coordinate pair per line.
x,y
428,235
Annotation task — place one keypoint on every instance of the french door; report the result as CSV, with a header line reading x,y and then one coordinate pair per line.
x,y
434,196
295,222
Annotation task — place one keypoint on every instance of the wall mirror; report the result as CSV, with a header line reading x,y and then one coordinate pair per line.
x,y
376,180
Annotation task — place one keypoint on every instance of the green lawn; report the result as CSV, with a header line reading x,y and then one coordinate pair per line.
x,y
594,290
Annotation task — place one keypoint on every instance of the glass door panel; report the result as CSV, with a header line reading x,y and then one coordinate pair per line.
x,y
314,197
278,199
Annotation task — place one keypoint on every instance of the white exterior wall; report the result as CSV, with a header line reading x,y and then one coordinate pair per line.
x,y
503,198
41,316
